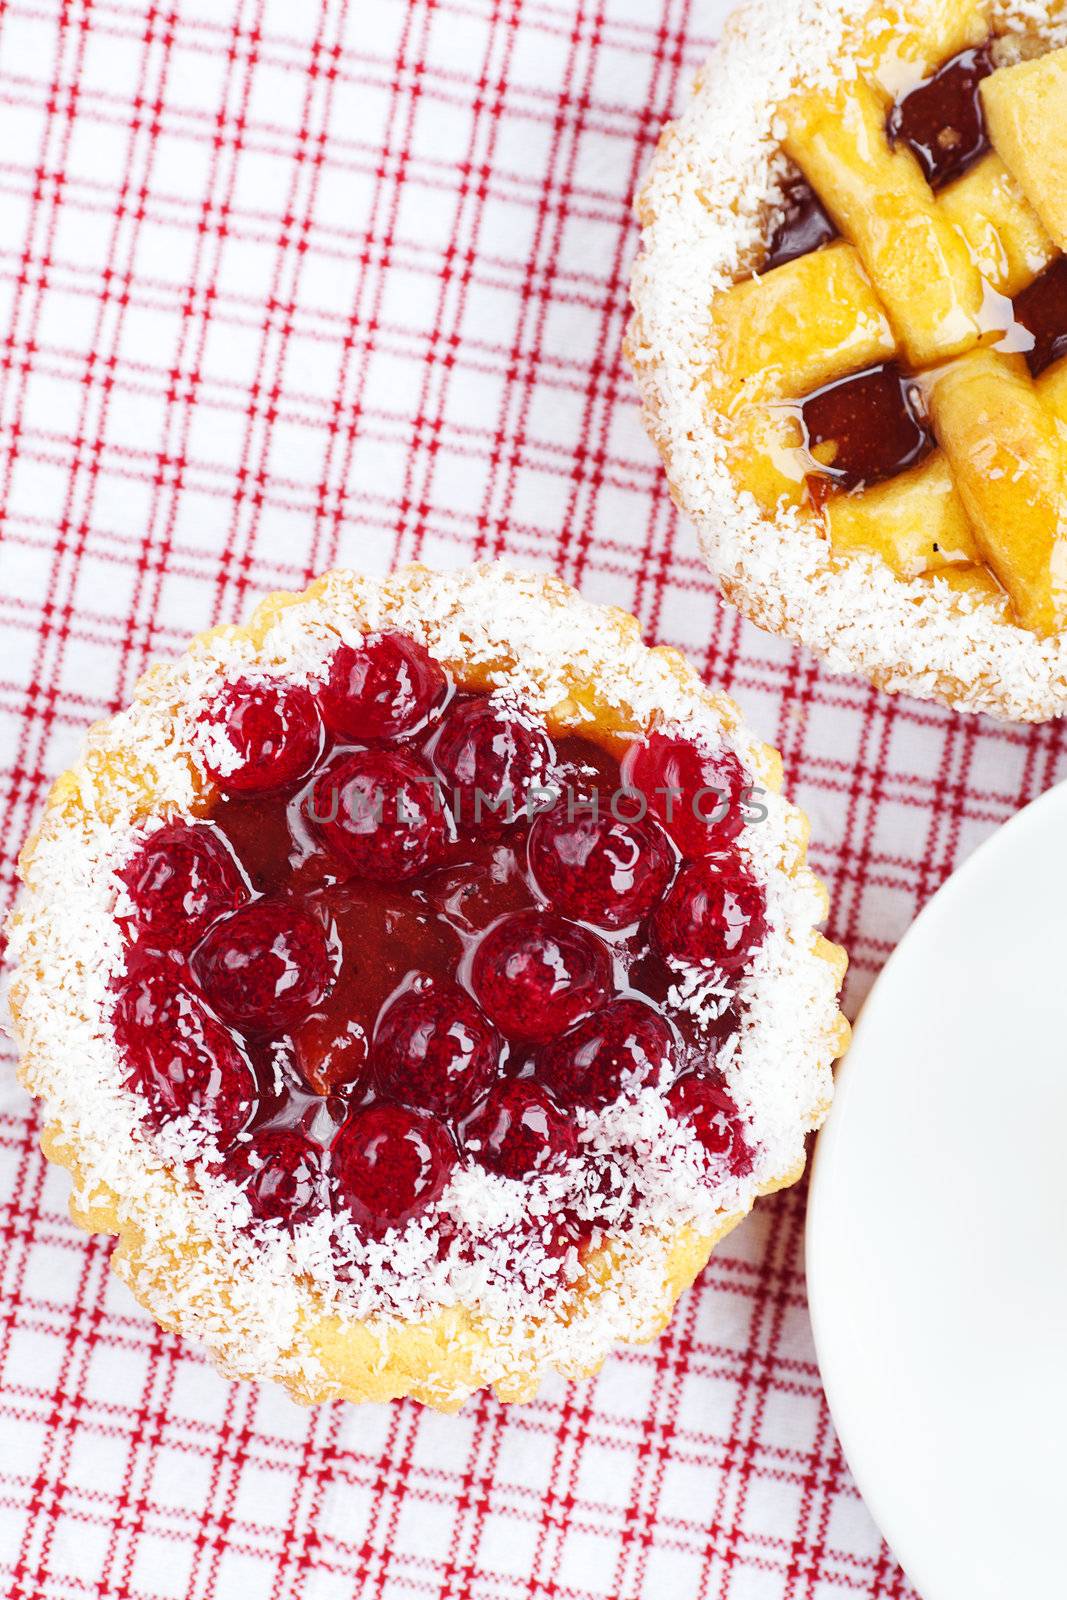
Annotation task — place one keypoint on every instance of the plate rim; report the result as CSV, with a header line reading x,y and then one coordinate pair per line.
x,y
857,1450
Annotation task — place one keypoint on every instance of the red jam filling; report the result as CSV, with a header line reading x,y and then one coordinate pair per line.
x,y
1041,309
804,226
414,933
865,428
942,121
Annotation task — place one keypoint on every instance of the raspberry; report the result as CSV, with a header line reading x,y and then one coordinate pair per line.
x,y
491,760
182,879
384,688
280,1174
274,730
597,868
390,1162
243,1014
266,967
181,1060
378,812
698,797
434,1048
520,1130
623,1047
535,975
715,913
702,1101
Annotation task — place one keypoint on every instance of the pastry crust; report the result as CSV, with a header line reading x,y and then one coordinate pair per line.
x,y
171,1250
715,181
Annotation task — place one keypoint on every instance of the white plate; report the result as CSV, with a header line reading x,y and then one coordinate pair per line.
x,y
937,1229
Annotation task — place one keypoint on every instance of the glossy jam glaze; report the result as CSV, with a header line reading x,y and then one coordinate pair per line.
x,y
1041,309
357,982
804,225
941,121
865,428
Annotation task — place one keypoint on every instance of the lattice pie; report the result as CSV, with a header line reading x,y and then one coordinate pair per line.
x,y
850,328
419,982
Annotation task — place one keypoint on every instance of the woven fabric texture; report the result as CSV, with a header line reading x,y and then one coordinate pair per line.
x,y
286,285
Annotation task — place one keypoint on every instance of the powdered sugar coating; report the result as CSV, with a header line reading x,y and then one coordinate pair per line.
x,y
536,641
714,182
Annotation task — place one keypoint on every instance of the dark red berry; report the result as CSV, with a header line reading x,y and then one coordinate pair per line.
x,y
493,760
270,732
183,877
698,797
389,1163
266,967
599,869
333,1053
180,1059
280,1174
520,1130
434,1048
702,1101
379,813
715,913
383,688
621,1048
536,975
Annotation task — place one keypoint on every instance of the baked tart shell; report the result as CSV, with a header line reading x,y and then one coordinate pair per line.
x,y
867,584
183,1276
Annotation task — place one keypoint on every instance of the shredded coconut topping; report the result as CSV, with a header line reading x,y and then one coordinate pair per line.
x,y
254,1289
716,178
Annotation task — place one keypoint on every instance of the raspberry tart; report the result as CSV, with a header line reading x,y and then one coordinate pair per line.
x,y
419,981
850,335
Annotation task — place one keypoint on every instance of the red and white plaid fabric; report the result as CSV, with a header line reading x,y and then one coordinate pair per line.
x,y
292,284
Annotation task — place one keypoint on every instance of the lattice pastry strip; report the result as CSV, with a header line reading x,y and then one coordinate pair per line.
x,y
761,335
920,267
916,522
1026,115
761,329
1006,451
919,522
1008,244
921,38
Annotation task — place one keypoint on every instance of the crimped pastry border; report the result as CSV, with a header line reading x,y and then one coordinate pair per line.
x,y
441,1359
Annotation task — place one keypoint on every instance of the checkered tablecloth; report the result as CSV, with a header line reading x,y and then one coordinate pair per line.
x,y
287,283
